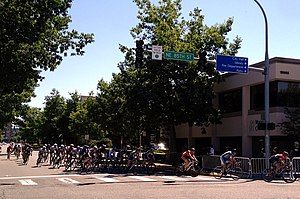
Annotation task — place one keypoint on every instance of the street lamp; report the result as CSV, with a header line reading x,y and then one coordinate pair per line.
x,y
266,74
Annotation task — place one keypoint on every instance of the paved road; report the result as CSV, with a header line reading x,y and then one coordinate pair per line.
x,y
19,181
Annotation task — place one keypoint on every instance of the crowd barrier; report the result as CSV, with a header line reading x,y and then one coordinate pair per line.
x,y
258,165
296,165
245,165
209,162
254,167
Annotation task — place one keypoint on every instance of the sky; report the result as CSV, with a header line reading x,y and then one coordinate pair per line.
x,y
111,21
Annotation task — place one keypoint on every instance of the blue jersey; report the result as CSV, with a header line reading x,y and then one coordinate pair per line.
x,y
227,154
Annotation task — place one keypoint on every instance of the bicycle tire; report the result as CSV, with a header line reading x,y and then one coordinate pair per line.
x,y
217,172
289,176
236,173
267,175
179,170
151,168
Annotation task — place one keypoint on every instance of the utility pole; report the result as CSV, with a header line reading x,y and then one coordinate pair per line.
x,y
266,79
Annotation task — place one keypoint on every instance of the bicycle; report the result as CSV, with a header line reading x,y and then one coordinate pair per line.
x,y
192,169
234,171
286,173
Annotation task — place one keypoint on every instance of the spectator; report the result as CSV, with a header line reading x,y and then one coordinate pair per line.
x,y
211,150
295,152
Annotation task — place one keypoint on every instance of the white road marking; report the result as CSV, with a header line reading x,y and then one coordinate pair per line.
x,y
207,178
106,179
27,182
145,179
175,178
68,180
48,176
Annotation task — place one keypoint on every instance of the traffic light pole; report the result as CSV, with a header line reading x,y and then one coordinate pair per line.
x,y
266,79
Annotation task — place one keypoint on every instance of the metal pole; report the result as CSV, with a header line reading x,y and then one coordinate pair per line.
x,y
266,74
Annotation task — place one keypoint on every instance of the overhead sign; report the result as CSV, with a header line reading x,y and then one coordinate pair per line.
x,y
179,56
232,64
156,52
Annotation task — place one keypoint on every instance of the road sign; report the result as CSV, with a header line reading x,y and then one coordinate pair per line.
x,y
156,52
232,64
179,56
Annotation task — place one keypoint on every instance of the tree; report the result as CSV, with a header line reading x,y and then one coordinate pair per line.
x,y
13,104
53,125
31,125
34,36
291,127
174,92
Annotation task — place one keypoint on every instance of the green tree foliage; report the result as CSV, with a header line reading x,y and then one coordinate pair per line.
x,y
54,122
167,93
31,123
13,104
291,127
34,36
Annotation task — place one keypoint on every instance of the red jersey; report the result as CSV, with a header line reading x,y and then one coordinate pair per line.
x,y
187,154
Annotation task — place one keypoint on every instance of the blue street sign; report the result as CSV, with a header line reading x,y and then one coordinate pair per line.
x,y
232,64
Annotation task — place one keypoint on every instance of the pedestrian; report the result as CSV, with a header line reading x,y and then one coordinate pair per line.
x,y
211,150
295,152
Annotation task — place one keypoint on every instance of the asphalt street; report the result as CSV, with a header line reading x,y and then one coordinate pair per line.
x,y
28,181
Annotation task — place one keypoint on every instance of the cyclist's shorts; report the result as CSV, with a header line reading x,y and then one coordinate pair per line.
x,y
224,160
273,159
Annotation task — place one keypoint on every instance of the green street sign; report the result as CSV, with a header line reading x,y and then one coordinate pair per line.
x,y
179,56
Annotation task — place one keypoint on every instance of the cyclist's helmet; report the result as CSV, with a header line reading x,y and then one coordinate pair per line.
x,y
193,149
285,153
233,150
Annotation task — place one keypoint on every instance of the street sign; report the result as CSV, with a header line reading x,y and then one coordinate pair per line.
x,y
232,64
156,52
179,56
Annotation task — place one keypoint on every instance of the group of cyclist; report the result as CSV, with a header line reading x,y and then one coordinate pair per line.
x,y
17,148
86,157
277,161
63,155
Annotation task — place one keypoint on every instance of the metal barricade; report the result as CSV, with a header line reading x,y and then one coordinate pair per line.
x,y
245,165
258,165
296,165
209,162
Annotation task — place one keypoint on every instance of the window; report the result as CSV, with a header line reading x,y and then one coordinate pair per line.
x,y
282,94
288,94
230,101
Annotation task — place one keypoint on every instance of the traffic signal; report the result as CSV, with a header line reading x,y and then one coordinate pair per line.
x,y
139,53
262,126
202,60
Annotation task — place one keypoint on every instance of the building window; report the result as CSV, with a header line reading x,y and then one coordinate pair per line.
x,y
282,94
288,94
230,101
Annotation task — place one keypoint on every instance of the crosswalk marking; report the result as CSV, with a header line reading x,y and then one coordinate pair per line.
x,y
106,179
68,180
175,178
145,179
27,182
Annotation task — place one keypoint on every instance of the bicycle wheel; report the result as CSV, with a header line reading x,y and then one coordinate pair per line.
x,y
217,172
179,170
289,176
151,167
268,175
236,173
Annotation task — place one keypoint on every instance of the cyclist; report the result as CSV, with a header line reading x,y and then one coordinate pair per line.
x,y
278,161
188,156
227,159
